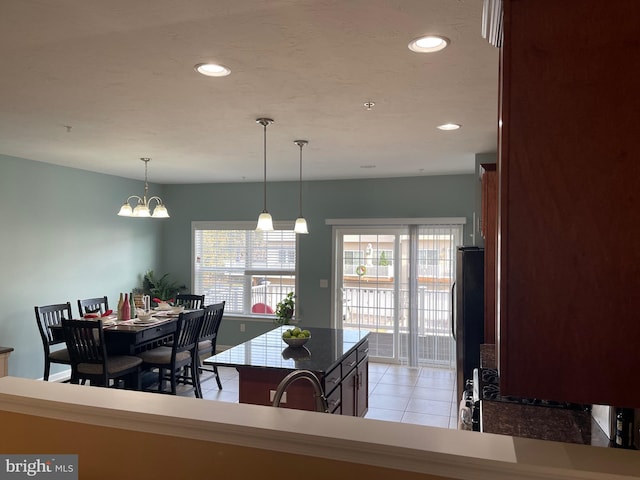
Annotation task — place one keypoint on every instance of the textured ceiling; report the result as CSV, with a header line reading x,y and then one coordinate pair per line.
x,y
96,84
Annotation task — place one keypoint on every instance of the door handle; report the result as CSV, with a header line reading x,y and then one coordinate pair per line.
x,y
453,306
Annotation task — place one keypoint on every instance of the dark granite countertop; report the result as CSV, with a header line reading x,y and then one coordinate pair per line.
x,y
535,421
324,349
543,423
5,350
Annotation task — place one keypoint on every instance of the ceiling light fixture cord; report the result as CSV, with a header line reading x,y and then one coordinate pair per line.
x,y
264,128
265,222
301,223
301,143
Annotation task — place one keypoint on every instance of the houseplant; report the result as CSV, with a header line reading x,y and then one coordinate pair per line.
x,y
284,309
161,288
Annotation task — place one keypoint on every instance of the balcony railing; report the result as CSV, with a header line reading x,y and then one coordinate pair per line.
x,y
375,309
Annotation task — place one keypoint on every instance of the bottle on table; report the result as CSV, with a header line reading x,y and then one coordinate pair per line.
x,y
120,303
126,308
132,304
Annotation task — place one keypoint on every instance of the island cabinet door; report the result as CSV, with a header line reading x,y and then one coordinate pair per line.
x,y
334,401
349,389
569,261
362,391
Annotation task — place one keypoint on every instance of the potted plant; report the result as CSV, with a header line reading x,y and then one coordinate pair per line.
x,y
285,309
161,289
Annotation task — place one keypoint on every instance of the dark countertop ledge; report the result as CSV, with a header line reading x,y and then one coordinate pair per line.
x,y
528,421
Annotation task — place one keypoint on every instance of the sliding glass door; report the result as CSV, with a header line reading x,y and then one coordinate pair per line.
x,y
394,281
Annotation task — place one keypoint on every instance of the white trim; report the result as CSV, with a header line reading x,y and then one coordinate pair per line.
x,y
449,453
355,222
239,225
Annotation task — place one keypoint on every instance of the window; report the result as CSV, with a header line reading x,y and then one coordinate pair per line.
x,y
251,271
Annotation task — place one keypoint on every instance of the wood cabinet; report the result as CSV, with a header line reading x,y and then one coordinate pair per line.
x,y
353,387
4,360
569,168
489,230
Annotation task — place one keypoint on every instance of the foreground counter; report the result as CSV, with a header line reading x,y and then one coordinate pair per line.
x,y
122,434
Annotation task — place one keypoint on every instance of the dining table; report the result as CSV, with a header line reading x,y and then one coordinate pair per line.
x,y
128,337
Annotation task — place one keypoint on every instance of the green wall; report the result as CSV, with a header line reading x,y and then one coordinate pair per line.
x,y
435,196
61,240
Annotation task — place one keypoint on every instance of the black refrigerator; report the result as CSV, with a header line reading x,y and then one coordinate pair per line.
x,y
468,313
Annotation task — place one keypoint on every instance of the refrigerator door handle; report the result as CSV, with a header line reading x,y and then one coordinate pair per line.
x,y
453,307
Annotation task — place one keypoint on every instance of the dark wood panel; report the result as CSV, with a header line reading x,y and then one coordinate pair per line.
x,y
362,393
490,233
255,385
349,392
569,169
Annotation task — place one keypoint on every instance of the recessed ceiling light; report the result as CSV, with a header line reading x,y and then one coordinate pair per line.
x,y
429,43
212,69
449,126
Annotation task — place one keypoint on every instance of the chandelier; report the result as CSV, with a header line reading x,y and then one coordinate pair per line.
x,y
142,210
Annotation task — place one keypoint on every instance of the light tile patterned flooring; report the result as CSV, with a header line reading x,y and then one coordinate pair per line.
x,y
423,396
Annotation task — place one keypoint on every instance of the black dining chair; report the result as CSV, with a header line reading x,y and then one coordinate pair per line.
x,y
46,317
171,360
208,336
93,305
190,302
89,359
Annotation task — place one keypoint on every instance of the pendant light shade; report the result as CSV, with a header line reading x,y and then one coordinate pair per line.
x,y
265,223
301,223
142,210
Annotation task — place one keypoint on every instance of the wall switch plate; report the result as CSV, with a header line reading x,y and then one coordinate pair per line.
x,y
242,327
324,283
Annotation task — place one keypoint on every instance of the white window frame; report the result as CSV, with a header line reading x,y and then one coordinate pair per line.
x,y
245,225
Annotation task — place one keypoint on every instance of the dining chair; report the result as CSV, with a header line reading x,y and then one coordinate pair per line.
x,y
190,302
93,305
89,359
48,316
171,360
208,336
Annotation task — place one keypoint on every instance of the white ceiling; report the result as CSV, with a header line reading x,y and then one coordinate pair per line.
x,y
120,74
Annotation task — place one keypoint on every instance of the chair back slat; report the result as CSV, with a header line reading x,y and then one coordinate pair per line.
x,y
212,320
188,330
85,341
93,305
189,301
51,315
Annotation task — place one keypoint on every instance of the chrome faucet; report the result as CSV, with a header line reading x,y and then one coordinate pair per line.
x,y
321,401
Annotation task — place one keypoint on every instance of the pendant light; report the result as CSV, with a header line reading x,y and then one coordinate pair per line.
x,y
265,223
142,210
301,223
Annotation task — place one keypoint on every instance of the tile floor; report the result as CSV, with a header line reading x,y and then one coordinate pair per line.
x,y
424,396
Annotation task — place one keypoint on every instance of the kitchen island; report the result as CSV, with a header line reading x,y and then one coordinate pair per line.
x,y
339,358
